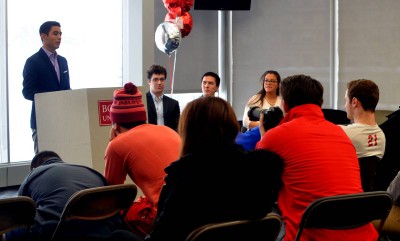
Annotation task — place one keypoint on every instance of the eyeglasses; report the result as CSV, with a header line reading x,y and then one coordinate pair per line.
x,y
158,79
270,81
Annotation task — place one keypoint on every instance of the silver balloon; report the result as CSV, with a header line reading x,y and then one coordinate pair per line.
x,y
167,37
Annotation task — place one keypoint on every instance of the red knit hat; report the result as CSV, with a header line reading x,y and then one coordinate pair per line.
x,y
127,105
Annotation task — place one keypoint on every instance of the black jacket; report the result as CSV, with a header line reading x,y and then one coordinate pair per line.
x,y
222,183
170,108
389,165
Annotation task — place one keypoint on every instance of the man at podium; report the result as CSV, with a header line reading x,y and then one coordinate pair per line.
x,y
45,71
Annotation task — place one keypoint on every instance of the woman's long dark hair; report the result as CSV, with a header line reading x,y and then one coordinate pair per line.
x,y
205,123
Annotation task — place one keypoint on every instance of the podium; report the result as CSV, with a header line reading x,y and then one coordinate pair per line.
x,y
75,124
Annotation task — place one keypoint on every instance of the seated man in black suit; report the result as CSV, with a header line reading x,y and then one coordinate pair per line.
x,y
161,109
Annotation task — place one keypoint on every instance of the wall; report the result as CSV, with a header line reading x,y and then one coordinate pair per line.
x,y
296,37
197,53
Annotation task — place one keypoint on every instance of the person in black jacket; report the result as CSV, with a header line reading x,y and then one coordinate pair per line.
x,y
215,180
389,165
161,109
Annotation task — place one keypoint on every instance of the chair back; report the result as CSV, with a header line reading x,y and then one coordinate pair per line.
x,y
97,203
368,166
338,117
15,212
346,211
264,229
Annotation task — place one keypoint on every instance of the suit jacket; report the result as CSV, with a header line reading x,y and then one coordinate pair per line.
x,y
40,76
389,166
170,108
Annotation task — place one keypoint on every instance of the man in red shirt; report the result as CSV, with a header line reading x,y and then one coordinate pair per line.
x,y
319,159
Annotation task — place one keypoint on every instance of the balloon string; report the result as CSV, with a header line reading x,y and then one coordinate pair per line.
x,y
173,76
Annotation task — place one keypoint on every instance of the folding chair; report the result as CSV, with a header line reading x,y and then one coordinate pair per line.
x,y
338,117
15,212
391,226
265,229
346,211
97,203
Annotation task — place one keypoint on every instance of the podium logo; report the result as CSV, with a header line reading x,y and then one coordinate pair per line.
x,y
104,112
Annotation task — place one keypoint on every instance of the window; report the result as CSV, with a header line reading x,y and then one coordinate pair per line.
x,y
91,42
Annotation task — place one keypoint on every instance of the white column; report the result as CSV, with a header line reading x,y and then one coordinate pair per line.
x,y
4,148
225,54
138,50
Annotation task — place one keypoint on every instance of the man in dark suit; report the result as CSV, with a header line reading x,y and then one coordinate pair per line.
x,y
161,109
45,71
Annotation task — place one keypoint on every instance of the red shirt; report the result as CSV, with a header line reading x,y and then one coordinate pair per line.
x,y
319,161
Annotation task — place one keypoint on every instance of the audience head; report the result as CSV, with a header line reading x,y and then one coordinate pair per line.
x,y
207,122
364,91
41,158
210,83
127,108
156,75
299,90
270,80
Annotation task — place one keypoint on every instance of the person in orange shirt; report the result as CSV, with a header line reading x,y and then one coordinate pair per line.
x,y
141,151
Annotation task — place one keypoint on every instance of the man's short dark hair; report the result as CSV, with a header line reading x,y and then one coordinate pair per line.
x,y
156,69
46,26
301,89
212,74
366,92
41,157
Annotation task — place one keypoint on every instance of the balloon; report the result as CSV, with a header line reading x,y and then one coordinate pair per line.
x,y
184,22
186,5
173,6
167,37
187,24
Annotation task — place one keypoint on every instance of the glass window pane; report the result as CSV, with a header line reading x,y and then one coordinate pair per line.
x,y
91,43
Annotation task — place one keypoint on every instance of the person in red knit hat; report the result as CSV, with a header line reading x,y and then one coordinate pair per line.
x,y
141,151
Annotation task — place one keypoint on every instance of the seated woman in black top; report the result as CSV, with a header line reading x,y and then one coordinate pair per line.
x,y
214,180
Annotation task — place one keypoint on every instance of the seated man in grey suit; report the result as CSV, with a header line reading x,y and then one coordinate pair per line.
x,y
161,109
50,184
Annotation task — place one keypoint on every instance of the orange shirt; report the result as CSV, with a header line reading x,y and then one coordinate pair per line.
x,y
142,152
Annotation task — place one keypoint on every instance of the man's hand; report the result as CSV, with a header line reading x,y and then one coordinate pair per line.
x,y
114,132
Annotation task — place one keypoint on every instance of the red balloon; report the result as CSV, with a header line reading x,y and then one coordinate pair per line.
x,y
186,5
173,6
187,24
171,17
178,14
184,22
